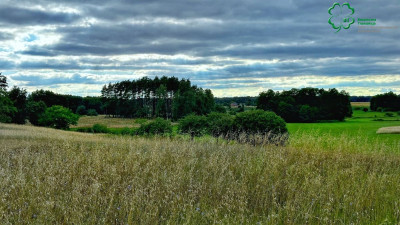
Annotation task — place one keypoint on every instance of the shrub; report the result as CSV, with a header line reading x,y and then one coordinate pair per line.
x,y
81,110
125,131
240,108
84,129
219,124
100,128
140,121
220,108
389,114
193,125
92,112
365,109
35,111
260,121
158,126
259,126
58,117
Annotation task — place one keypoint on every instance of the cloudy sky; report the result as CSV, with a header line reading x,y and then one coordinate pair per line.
x,y
235,47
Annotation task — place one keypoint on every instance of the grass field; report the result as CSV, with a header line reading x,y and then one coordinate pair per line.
x,y
360,104
328,173
89,121
362,127
49,176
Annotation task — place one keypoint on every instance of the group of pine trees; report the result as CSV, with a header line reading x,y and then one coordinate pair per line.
x,y
166,97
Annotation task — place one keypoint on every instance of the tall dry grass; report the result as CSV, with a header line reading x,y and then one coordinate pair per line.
x,y
55,177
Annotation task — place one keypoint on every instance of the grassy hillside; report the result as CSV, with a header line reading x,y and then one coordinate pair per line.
x,y
49,176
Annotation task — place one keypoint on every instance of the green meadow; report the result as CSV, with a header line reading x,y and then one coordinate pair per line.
x,y
360,128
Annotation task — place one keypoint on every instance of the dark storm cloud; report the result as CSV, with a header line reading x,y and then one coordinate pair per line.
x,y
40,80
26,16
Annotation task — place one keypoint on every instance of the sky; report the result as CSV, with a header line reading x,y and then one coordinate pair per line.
x,y
234,48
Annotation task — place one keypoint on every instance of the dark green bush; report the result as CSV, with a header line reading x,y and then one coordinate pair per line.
x,y
158,126
100,128
92,112
193,125
219,124
58,117
84,129
35,110
126,131
81,110
260,121
365,109
219,108
141,121
259,127
389,114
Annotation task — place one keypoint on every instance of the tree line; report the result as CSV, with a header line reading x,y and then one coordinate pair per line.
x,y
165,97
307,104
360,98
385,102
16,107
173,99
245,100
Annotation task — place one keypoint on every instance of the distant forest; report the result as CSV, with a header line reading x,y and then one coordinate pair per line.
x,y
171,98
307,104
227,101
360,98
386,102
252,100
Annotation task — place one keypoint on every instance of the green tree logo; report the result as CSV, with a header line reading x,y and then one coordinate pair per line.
x,y
341,16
